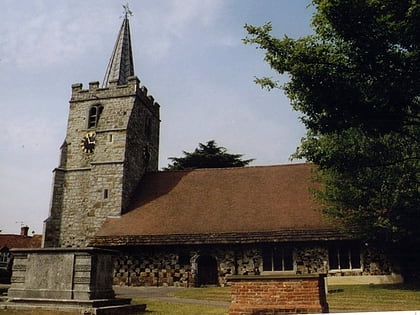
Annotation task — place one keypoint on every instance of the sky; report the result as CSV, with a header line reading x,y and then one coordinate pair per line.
x,y
188,53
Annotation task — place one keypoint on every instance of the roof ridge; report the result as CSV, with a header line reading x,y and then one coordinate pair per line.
x,y
234,168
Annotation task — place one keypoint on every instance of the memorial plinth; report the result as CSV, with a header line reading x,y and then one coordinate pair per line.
x,y
66,278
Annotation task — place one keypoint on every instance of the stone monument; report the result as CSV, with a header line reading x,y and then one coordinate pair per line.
x,y
74,280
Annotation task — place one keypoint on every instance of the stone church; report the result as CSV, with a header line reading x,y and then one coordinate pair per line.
x,y
185,228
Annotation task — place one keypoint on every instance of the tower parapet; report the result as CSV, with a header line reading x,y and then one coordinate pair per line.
x,y
113,90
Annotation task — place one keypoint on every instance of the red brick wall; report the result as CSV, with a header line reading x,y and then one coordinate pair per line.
x,y
258,295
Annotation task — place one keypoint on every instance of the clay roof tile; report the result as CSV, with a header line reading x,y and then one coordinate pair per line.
x,y
218,201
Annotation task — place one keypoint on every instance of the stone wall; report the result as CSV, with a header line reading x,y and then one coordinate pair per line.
x,y
152,270
311,259
178,265
91,186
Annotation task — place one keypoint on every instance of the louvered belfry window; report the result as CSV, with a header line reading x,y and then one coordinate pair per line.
x,y
94,114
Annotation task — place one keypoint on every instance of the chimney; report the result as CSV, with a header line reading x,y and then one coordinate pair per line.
x,y
24,230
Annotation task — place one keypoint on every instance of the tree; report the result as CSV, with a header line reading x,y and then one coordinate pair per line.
x,y
207,155
360,69
356,82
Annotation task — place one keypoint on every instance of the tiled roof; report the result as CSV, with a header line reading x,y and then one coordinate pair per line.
x,y
222,238
220,205
19,241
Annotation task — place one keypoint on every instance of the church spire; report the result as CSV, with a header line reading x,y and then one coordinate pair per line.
x,y
121,65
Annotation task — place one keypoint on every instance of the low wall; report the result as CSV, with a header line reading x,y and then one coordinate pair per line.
x,y
258,295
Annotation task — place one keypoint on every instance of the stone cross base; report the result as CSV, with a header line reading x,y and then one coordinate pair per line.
x,y
277,294
78,279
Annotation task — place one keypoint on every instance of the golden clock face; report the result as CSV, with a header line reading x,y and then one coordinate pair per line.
x,y
88,142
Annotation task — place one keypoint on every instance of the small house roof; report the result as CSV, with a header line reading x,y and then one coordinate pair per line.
x,y
228,205
8,241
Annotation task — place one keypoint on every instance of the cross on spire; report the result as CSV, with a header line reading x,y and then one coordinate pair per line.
x,y
127,11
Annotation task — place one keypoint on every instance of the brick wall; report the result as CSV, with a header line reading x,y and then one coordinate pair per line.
x,y
258,295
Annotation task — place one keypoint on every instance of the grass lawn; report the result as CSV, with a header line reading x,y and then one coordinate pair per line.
x,y
373,298
342,298
208,294
166,308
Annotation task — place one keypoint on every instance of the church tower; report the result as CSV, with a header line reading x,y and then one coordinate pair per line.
x,y
112,140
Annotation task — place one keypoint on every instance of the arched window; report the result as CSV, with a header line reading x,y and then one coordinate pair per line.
x,y
94,114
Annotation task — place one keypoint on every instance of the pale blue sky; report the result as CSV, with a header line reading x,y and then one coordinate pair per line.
x,y
189,55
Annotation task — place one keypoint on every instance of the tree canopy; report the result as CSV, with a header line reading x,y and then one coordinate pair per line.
x,y
208,155
356,82
370,51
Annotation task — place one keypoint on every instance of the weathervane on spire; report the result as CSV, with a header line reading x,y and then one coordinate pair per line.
x,y
127,11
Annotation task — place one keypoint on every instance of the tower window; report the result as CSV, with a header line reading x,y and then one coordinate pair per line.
x,y
94,114
106,194
146,154
148,128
